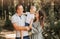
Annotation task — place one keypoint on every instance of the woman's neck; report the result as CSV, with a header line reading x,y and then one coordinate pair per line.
x,y
37,19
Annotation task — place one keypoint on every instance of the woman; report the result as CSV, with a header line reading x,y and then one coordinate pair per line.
x,y
38,26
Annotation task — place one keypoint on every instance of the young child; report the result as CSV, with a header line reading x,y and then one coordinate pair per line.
x,y
29,18
30,15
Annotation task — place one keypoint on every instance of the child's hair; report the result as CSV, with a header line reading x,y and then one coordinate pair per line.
x,y
32,6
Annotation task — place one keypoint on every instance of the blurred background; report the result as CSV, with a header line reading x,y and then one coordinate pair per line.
x,y
50,7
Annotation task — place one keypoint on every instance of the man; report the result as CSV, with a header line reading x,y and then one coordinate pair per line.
x,y
18,21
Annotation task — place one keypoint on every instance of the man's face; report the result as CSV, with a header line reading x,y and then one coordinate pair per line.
x,y
20,9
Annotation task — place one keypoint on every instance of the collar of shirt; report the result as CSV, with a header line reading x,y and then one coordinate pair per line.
x,y
18,16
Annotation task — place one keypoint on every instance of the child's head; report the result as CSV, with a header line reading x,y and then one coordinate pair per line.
x,y
32,9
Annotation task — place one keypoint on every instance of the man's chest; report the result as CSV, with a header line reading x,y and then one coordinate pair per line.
x,y
21,21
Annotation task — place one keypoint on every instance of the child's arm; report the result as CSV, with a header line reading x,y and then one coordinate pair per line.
x,y
31,24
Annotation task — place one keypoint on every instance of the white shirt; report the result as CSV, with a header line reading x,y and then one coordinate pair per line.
x,y
20,21
29,17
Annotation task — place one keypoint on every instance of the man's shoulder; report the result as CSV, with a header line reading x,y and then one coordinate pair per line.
x,y
14,16
23,15
28,12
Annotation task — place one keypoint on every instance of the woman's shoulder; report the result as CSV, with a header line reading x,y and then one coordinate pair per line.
x,y
36,23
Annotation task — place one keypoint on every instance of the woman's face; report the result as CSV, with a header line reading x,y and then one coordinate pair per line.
x,y
37,15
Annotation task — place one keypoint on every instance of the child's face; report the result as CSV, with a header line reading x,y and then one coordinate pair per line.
x,y
33,10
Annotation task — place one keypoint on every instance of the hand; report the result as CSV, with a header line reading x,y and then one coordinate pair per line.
x,y
28,28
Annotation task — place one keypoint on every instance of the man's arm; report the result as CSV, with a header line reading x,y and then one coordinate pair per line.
x,y
20,28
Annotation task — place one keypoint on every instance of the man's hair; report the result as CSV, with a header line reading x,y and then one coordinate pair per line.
x,y
18,5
